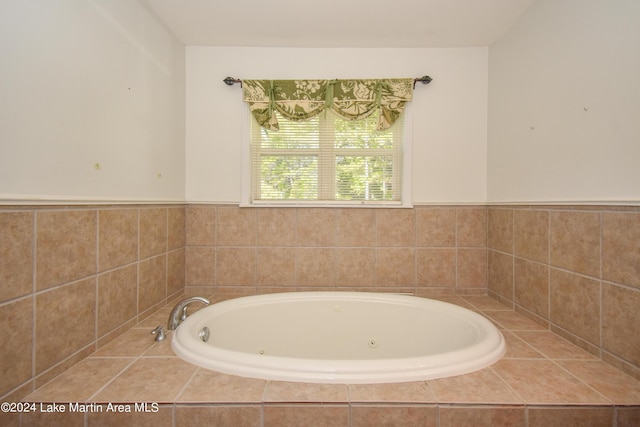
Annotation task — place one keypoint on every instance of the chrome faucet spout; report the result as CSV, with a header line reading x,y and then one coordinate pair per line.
x,y
179,312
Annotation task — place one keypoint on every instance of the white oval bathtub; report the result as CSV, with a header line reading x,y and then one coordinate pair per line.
x,y
339,337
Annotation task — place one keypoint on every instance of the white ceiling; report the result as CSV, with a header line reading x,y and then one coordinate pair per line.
x,y
339,23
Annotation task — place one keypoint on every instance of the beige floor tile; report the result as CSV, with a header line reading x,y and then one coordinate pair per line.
x,y
436,227
148,380
162,418
518,349
482,386
161,348
513,321
66,246
451,299
543,382
81,381
132,343
490,416
394,415
629,416
553,346
16,248
218,415
411,392
16,343
50,419
10,419
55,339
283,391
153,231
617,386
210,386
160,317
572,416
306,415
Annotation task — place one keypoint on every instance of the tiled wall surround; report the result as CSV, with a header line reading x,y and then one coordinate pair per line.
x,y
73,278
419,250
575,270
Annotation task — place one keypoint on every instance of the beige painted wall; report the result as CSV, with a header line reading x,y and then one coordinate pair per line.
x,y
86,83
564,102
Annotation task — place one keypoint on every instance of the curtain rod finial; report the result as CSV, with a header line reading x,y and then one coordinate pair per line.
x,y
231,81
424,80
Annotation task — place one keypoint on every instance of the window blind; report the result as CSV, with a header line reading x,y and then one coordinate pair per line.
x,y
327,160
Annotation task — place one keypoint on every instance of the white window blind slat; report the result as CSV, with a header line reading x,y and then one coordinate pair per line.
x,y
327,159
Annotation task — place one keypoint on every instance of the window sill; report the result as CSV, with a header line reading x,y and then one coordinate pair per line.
x,y
328,204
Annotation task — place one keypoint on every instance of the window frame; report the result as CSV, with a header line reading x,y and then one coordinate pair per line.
x,y
246,171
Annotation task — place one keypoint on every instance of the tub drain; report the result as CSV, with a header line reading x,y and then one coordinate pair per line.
x,y
373,343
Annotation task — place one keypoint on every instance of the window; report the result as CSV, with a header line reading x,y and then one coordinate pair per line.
x,y
327,142
327,160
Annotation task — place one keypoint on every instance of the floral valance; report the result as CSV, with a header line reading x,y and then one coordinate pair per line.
x,y
303,99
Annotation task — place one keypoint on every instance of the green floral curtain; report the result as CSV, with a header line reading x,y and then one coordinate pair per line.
x,y
303,99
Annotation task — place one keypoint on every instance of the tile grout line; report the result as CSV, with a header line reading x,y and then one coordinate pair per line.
x,y
97,281
265,392
456,257
601,294
513,257
139,232
554,361
109,382
185,386
33,300
506,383
166,257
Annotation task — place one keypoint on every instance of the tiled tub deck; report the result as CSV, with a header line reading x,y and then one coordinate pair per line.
x,y
543,380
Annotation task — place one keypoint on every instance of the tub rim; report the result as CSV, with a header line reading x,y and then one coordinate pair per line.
x,y
339,371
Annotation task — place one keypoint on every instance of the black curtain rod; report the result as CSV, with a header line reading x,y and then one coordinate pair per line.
x,y
424,80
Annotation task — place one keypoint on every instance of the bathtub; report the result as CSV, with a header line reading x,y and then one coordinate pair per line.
x,y
338,337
